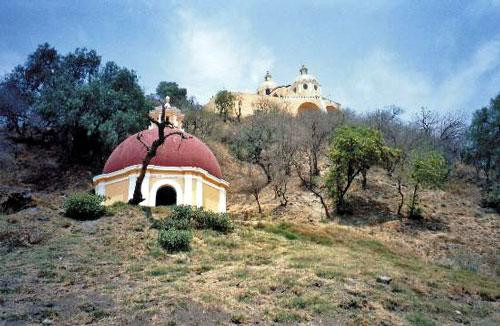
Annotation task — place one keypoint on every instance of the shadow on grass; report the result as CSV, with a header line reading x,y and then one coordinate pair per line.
x,y
366,211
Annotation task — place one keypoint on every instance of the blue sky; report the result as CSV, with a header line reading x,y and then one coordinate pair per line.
x,y
444,55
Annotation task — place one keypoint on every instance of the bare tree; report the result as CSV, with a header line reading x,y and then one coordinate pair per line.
x,y
151,149
253,182
282,154
315,130
315,185
427,121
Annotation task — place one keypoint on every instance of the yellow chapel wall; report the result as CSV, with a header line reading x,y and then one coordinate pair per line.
x,y
210,198
116,191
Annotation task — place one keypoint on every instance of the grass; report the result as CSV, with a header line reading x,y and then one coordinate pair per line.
x,y
278,272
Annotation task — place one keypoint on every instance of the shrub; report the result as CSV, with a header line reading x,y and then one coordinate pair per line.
x,y
491,198
173,223
84,206
216,221
174,240
183,212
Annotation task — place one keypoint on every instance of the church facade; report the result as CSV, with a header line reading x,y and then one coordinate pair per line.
x,y
303,94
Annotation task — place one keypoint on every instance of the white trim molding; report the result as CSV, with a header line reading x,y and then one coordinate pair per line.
x,y
137,167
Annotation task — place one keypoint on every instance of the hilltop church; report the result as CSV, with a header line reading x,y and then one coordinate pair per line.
x,y
303,94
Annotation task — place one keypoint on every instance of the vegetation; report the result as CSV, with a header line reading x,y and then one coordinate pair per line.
x,y
176,228
427,169
483,150
84,206
173,239
224,103
285,265
74,102
353,150
177,95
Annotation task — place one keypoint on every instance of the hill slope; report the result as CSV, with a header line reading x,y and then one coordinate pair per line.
x,y
286,266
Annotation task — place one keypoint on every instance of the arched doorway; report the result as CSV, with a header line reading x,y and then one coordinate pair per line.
x,y
166,196
307,107
331,109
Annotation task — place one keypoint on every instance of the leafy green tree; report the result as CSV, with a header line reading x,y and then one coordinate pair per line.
x,y
352,151
73,102
177,94
483,150
427,168
224,103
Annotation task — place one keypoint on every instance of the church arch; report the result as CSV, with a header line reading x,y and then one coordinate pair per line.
x,y
307,107
331,108
165,183
166,196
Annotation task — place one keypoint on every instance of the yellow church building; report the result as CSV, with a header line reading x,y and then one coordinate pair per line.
x,y
303,94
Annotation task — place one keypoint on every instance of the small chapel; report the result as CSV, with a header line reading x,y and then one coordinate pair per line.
x,y
183,172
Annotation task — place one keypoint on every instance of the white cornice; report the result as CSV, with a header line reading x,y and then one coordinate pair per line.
x,y
131,168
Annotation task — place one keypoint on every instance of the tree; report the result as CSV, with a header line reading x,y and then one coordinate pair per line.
x,y
483,135
252,183
427,168
352,150
198,122
282,154
224,103
254,141
177,94
161,125
316,185
315,129
73,102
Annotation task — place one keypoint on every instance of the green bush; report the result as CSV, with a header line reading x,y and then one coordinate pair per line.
x,y
491,198
84,206
183,212
173,223
216,221
174,240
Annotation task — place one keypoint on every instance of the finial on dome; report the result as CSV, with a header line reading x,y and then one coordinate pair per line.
x,y
167,101
303,70
268,76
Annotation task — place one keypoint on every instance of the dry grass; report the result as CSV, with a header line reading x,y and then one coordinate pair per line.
x,y
112,271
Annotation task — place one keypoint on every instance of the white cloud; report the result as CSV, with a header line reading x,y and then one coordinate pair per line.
x,y
464,83
209,56
382,79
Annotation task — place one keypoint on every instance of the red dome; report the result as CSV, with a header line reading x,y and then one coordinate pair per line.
x,y
190,152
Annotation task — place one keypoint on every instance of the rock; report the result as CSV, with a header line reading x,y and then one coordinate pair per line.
x,y
47,321
384,279
13,199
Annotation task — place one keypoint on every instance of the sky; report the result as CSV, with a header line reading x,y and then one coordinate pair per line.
x,y
442,55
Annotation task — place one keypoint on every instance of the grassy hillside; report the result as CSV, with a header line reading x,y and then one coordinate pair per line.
x,y
112,271
288,265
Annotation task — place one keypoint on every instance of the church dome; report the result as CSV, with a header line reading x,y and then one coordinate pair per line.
x,y
175,152
305,76
267,86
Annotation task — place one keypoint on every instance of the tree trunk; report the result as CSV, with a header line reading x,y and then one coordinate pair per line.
x,y
137,197
256,195
364,183
325,207
401,203
266,172
151,152
413,201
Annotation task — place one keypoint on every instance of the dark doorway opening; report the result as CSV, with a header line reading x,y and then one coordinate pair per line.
x,y
166,196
